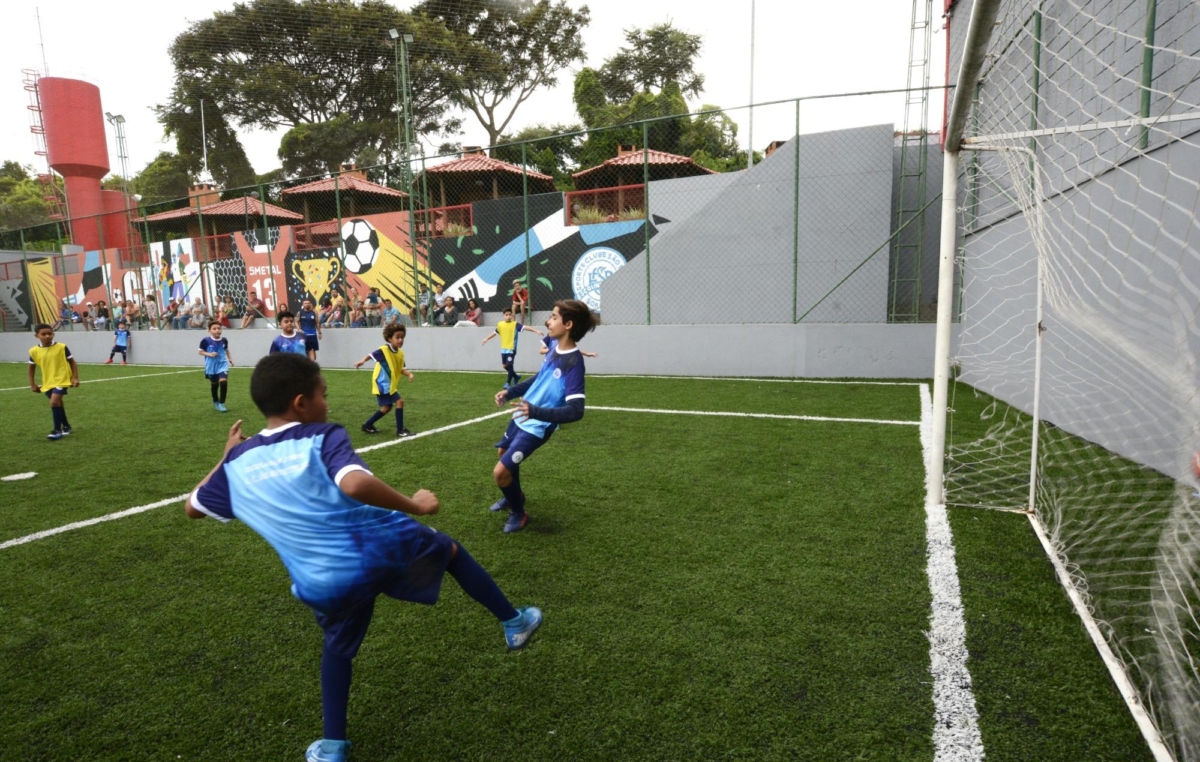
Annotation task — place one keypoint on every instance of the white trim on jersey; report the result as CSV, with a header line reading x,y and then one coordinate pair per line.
x,y
346,470
195,501
284,427
575,397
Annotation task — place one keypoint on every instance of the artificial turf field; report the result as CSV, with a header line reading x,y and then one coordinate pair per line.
x,y
714,587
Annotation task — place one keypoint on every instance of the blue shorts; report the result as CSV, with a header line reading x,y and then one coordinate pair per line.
x,y
506,359
61,390
387,400
518,444
216,377
311,343
422,560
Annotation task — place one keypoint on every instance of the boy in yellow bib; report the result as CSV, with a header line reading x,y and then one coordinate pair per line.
x,y
509,331
385,381
59,371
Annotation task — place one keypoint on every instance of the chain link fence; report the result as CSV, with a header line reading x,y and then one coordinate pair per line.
x,y
834,222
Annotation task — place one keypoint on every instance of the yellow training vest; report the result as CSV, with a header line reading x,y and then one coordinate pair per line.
x,y
52,360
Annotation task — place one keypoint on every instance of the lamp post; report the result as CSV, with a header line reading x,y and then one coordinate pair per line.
x,y
400,45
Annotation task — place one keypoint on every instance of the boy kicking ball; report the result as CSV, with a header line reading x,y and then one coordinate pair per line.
x,y
340,531
59,371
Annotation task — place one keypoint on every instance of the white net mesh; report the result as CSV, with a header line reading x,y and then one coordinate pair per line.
x,y
1081,175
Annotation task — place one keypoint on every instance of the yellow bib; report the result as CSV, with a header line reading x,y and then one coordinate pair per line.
x,y
52,361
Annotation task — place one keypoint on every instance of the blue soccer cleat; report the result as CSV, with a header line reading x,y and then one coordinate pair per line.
x,y
327,751
516,522
499,505
221,407
519,629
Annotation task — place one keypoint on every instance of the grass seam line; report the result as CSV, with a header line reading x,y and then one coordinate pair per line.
x,y
180,498
956,734
116,378
774,416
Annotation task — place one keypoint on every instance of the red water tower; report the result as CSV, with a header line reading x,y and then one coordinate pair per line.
x,y
73,120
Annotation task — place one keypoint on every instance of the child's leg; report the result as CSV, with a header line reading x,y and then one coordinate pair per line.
x,y
399,416
223,390
508,479
58,412
477,583
216,392
343,636
377,415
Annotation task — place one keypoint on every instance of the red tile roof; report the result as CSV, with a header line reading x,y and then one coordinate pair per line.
x,y
344,183
636,159
234,207
485,164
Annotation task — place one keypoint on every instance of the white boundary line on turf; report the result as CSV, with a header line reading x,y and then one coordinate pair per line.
x,y
691,378
115,378
775,416
956,736
180,498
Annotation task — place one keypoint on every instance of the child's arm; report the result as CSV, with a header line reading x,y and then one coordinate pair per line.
x,y
407,372
228,357
74,371
235,438
489,338
371,490
32,385
568,413
588,354
363,361
533,330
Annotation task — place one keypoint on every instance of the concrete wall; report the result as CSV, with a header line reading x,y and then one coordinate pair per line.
x,y
823,351
734,256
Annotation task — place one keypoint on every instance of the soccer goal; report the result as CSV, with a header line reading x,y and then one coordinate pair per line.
x,y
1069,300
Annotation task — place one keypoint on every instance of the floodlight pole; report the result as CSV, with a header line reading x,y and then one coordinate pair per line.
x,y
400,45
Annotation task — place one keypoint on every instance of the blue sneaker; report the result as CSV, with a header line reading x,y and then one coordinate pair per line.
x,y
505,384
221,408
55,435
519,629
499,505
327,751
516,522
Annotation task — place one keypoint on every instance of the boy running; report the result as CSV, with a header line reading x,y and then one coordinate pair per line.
x,y
385,381
217,362
554,397
509,331
121,342
340,531
310,326
290,340
59,371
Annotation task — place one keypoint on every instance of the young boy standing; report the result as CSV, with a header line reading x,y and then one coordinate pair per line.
x,y
217,362
310,326
509,331
290,340
59,371
120,343
385,381
340,531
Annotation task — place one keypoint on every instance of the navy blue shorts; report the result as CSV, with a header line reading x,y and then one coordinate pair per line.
x,y
506,359
57,390
518,444
426,556
387,400
216,377
311,343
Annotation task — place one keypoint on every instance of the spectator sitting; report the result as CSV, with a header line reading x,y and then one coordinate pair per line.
x,y
389,314
423,305
372,306
101,319
358,318
171,316
89,320
118,312
133,314
439,303
449,312
474,312
254,310
199,315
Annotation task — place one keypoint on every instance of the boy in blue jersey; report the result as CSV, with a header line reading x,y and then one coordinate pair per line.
x,y
385,380
290,340
217,362
340,531
59,371
310,326
509,332
121,341
553,397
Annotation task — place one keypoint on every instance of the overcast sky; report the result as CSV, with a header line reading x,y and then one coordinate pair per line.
x,y
802,47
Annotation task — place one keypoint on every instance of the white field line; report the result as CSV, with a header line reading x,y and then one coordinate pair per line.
x,y
692,378
956,736
774,416
180,498
115,378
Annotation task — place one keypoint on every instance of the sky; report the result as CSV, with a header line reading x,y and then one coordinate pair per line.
x,y
801,48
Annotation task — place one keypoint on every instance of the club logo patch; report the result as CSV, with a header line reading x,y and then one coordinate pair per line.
x,y
558,372
517,457
591,270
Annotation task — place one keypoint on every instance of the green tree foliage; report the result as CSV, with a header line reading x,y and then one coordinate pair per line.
x,y
597,112
501,51
555,152
298,66
660,55
167,178
21,198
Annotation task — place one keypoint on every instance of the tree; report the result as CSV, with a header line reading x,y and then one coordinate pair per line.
x,y
297,64
167,178
555,151
501,51
21,198
655,57
616,123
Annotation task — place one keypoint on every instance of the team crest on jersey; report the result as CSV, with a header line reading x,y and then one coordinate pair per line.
x,y
558,372
592,269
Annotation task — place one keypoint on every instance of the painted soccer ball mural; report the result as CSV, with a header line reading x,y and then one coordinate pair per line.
x,y
361,244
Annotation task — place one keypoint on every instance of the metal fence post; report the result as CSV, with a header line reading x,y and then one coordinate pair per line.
x,y
262,199
337,203
525,209
795,217
33,321
646,201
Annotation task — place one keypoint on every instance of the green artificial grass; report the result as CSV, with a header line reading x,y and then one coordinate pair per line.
x,y
714,588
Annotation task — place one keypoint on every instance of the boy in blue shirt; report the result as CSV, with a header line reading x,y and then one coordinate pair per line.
x,y
290,340
385,380
553,397
340,531
121,342
217,362
310,326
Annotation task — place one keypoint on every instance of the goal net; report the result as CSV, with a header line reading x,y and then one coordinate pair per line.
x,y
1078,395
